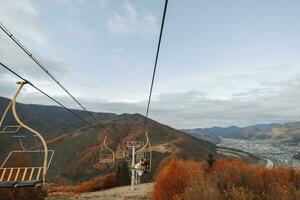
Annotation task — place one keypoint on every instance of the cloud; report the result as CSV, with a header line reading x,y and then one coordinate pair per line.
x,y
22,18
7,88
132,22
196,109
193,109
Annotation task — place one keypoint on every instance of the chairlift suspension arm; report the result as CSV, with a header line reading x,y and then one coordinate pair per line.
x,y
30,129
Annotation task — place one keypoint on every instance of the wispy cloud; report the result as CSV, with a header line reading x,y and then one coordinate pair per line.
x,y
22,18
132,22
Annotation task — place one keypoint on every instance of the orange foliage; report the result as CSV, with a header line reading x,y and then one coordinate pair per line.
x,y
171,181
226,180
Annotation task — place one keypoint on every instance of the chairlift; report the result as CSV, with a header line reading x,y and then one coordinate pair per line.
x,y
121,152
144,155
23,176
107,155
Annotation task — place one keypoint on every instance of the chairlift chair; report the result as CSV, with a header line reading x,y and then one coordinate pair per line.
x,y
120,153
107,155
25,176
144,155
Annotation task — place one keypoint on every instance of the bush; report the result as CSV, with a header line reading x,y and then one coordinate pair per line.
x,y
226,180
171,181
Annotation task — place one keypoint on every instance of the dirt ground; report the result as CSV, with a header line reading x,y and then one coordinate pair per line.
x,y
141,192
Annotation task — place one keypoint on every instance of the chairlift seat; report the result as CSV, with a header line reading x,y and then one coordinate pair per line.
x,y
11,184
33,183
8,184
106,161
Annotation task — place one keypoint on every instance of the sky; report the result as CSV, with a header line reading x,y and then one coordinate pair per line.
x,y
221,63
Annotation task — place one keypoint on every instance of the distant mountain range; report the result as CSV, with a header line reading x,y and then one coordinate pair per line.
x,y
276,131
241,132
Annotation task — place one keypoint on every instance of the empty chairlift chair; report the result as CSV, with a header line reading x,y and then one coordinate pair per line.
x,y
106,156
120,153
12,175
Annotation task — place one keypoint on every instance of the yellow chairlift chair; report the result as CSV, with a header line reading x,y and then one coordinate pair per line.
x,y
121,152
25,176
106,156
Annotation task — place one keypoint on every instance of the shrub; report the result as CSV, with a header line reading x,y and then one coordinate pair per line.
x,y
226,180
171,181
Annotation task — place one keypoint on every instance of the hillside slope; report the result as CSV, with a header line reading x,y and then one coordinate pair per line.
x,y
285,131
203,135
50,120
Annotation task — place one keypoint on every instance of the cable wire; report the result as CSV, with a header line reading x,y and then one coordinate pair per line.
x,y
156,58
41,91
17,42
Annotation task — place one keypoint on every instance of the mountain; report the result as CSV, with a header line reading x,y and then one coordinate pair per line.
x,y
202,135
264,127
231,131
77,144
289,131
248,132
50,120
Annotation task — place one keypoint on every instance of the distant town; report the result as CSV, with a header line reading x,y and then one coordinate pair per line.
x,y
276,153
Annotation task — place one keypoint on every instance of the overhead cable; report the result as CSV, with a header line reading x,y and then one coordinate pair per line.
x,y
44,93
17,42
